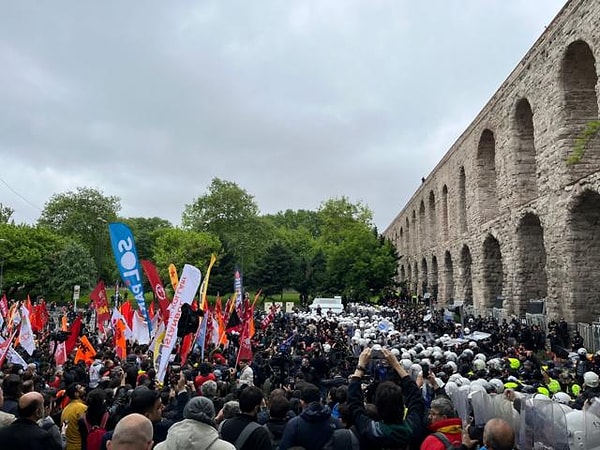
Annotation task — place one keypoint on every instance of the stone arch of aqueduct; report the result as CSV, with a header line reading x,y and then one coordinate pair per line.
x,y
502,214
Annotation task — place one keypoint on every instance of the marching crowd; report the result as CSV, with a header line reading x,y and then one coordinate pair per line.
x,y
374,377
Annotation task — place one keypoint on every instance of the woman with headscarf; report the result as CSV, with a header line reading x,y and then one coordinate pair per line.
x,y
197,431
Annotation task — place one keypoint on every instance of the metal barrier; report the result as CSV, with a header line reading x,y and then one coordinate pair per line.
x,y
536,319
499,314
590,332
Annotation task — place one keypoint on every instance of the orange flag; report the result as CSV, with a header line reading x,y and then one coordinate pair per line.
x,y
64,325
173,276
85,351
120,342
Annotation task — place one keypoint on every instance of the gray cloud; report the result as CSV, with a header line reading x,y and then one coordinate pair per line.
x,y
296,101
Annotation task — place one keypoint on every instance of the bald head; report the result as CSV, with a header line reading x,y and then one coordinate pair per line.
x,y
31,405
133,432
498,435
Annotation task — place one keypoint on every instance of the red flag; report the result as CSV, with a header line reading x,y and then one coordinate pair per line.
x,y
27,305
186,346
269,317
4,306
100,304
157,288
127,312
245,352
60,354
72,339
42,314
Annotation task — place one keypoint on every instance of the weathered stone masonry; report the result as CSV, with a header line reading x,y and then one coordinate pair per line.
x,y
502,214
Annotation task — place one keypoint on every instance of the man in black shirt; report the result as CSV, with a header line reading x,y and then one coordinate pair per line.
x,y
242,430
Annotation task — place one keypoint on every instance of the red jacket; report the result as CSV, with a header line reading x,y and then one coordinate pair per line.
x,y
452,429
200,380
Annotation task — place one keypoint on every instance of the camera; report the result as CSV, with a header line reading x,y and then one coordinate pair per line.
x,y
425,368
376,352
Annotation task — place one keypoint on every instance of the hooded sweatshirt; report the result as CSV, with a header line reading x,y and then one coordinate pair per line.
x,y
311,429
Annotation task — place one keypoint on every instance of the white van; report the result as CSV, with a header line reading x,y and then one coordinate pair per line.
x,y
327,304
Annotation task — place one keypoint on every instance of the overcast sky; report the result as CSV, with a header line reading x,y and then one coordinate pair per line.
x,y
295,101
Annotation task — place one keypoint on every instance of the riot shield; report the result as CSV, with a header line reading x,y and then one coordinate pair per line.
x,y
543,426
584,428
460,400
504,409
483,408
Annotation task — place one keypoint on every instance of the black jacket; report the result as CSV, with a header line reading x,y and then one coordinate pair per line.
x,y
232,428
24,434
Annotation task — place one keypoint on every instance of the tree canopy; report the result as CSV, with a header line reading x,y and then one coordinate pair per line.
x,y
334,250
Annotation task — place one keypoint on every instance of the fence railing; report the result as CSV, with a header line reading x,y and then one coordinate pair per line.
x,y
590,332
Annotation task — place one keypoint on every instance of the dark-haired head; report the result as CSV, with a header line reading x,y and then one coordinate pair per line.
x,y
389,402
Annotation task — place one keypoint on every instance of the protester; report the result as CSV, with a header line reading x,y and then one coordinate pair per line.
x,y
419,356
395,428
25,433
133,432
242,430
5,417
314,427
498,435
197,431
70,416
445,426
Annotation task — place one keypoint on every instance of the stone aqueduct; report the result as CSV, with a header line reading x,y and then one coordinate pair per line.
x,y
502,214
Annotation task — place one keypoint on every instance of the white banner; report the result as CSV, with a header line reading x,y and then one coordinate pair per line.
x,y
186,289
25,334
140,329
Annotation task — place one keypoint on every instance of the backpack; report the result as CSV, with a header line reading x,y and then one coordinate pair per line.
x,y
449,445
343,439
274,442
95,433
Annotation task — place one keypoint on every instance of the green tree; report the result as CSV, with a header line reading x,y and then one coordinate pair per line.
x,y
337,214
83,215
296,220
221,209
26,253
145,231
180,247
230,213
71,266
6,213
275,271
360,265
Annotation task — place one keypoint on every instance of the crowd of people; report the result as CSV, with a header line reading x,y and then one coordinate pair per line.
x,y
374,377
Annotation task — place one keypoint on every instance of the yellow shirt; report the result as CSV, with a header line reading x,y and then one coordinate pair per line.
x,y
71,414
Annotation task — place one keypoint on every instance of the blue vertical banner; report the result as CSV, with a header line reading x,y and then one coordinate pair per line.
x,y
121,239
237,288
